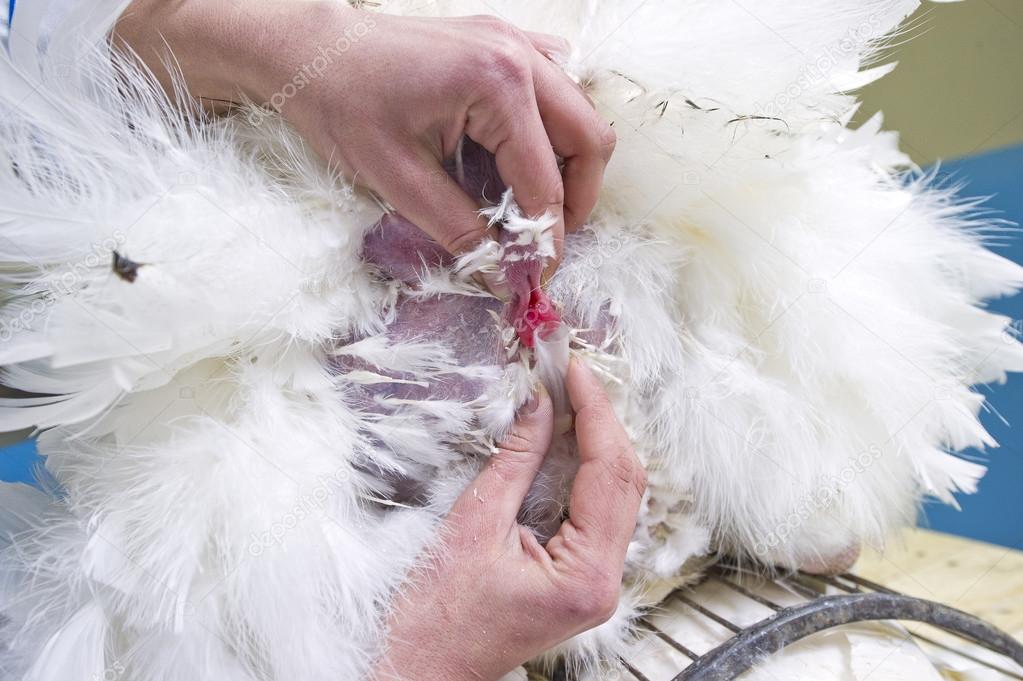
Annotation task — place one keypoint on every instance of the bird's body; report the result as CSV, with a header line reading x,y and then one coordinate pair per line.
x,y
251,438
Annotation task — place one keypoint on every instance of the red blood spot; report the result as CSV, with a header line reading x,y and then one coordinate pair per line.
x,y
537,314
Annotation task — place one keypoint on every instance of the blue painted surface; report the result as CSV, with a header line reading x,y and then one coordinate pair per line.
x,y
994,513
18,462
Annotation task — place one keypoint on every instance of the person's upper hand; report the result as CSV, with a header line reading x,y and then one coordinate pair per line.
x,y
388,98
493,597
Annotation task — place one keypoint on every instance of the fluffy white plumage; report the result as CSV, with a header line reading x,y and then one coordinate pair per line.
x,y
796,332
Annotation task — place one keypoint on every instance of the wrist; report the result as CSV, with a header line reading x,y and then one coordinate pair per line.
x,y
438,651
400,669
226,49
275,48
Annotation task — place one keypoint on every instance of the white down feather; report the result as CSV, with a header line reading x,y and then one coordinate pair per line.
x,y
796,332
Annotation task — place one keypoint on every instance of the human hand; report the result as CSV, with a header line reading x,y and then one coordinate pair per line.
x,y
493,597
395,98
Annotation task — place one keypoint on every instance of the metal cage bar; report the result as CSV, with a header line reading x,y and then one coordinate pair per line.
x,y
791,624
861,600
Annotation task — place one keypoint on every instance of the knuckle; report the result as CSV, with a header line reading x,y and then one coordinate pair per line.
x,y
626,472
556,192
550,192
640,481
594,600
508,66
516,443
607,140
605,604
459,241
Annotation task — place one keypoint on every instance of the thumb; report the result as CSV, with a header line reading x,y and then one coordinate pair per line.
x,y
503,483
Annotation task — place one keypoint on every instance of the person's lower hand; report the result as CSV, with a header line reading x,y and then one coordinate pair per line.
x,y
388,98
492,596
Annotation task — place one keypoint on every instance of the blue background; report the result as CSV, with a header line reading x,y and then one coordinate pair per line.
x,y
994,513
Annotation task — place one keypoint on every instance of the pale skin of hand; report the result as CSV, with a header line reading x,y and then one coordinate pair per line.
x,y
396,101
493,597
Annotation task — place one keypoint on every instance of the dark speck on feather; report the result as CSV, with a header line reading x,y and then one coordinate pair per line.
x,y
126,268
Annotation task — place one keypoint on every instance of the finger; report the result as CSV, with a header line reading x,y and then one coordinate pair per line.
x,y
609,486
501,486
422,191
554,47
580,136
511,129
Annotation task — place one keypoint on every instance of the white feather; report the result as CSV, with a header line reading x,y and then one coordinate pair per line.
x,y
789,328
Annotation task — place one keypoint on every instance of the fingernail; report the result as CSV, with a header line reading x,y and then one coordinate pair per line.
x,y
564,423
533,402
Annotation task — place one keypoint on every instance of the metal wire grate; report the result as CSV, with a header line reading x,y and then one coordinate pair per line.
x,y
813,603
